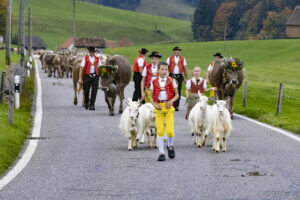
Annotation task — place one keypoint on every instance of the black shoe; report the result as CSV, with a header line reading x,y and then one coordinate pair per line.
x,y
161,157
176,109
86,106
171,152
92,107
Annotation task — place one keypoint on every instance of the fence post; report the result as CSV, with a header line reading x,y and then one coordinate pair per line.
x,y
279,98
2,86
245,94
11,106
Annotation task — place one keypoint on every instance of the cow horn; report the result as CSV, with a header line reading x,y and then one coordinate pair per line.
x,y
116,67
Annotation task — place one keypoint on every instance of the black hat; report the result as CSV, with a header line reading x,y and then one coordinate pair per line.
x,y
219,55
155,54
177,48
91,49
143,50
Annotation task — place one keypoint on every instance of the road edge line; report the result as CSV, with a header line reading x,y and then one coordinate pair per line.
x,y
27,155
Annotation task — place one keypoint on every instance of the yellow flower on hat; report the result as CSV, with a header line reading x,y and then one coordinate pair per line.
x,y
234,65
103,69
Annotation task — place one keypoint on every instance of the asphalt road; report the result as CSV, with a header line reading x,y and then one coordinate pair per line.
x,y
85,157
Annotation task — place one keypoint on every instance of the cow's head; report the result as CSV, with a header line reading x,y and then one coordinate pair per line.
x,y
133,108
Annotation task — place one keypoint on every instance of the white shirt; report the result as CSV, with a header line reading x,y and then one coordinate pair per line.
x,y
176,60
163,94
141,61
154,69
92,69
188,85
209,67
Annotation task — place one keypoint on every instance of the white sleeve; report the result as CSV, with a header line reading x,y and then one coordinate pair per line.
x,y
140,62
83,62
174,83
204,84
209,68
151,85
99,63
188,85
184,62
144,74
168,61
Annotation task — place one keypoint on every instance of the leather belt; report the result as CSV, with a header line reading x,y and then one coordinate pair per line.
x,y
92,75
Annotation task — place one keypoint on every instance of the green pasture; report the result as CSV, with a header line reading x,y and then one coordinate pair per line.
x,y
52,21
267,64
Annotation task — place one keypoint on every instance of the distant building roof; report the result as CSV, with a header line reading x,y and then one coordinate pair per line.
x,y
90,42
294,19
110,43
67,44
37,43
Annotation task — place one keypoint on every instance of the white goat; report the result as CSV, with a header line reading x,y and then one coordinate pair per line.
x,y
145,123
218,123
128,123
197,120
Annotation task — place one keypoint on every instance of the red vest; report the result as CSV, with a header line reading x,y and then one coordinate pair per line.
x,y
135,66
168,88
180,64
149,75
88,65
195,88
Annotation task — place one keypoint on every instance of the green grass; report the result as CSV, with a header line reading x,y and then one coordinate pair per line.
x,y
13,136
267,64
52,20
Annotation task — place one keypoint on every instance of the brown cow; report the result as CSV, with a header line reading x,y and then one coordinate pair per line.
x,y
48,63
75,72
226,80
120,78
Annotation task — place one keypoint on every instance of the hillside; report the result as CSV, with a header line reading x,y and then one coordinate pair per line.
x,y
267,63
52,20
178,9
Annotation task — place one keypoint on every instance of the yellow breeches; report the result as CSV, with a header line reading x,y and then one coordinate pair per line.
x,y
162,116
147,95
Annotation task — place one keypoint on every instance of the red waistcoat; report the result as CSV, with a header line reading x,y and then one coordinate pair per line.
x,y
88,65
149,75
135,66
195,88
168,88
180,64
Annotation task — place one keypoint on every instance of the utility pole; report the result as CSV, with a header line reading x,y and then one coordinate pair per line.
x,y
225,27
8,32
74,23
23,5
19,28
29,31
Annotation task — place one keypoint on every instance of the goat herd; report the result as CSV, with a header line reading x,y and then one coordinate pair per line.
x,y
139,119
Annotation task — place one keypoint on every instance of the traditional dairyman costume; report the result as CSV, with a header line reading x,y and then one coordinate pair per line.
x,y
90,66
176,69
139,63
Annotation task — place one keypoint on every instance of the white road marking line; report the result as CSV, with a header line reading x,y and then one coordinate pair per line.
x,y
278,130
22,163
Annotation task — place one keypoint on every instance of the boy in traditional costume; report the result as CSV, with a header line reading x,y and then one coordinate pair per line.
x,y
163,94
150,72
193,86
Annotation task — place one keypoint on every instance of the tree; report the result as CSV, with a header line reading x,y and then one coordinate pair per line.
x,y
3,5
225,16
256,22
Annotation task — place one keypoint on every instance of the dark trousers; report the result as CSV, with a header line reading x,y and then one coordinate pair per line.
x,y
90,82
179,78
137,79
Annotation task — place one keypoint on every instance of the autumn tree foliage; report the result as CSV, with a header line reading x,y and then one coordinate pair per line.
x,y
244,19
3,4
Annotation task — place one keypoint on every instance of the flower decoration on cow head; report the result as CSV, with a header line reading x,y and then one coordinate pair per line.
x,y
107,70
234,64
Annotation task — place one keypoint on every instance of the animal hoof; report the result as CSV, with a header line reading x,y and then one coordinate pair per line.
x,y
141,142
75,103
129,149
111,114
217,151
120,111
232,117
